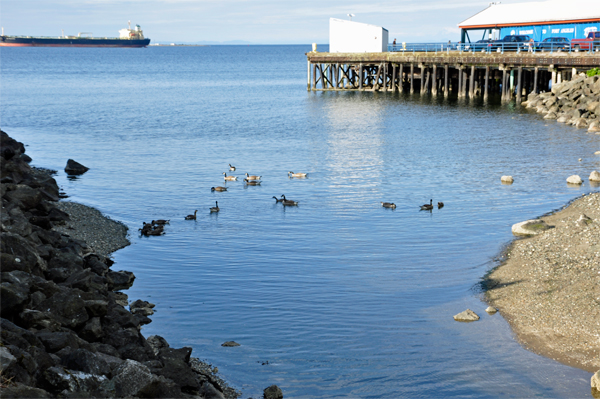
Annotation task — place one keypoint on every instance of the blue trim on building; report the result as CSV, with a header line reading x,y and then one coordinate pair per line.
x,y
540,32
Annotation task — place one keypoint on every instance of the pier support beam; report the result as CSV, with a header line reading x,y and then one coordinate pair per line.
x,y
472,82
460,76
393,78
401,78
412,78
464,86
422,78
535,80
519,84
486,83
360,76
446,80
434,81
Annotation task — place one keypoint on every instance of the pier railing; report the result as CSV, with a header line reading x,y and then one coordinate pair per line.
x,y
494,47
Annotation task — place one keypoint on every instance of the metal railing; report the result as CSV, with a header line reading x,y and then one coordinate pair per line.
x,y
497,47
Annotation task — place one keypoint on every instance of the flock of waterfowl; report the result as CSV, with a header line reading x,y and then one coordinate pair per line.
x,y
156,227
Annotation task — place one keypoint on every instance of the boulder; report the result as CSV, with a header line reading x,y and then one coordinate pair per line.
x,y
529,227
230,343
574,179
6,359
273,392
59,380
467,315
209,391
18,390
75,168
86,361
120,280
176,368
595,176
594,127
491,310
596,380
507,180
67,307
130,378
157,342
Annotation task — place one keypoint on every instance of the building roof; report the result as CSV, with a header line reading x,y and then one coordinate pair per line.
x,y
534,13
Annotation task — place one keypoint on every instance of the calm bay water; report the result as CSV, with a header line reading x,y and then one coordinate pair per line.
x,y
342,297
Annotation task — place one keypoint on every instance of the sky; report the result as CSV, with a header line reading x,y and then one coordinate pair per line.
x,y
249,21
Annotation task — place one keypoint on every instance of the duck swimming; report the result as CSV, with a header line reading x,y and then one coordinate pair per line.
x,y
252,182
427,207
160,222
218,188
292,174
287,202
231,168
229,178
388,205
252,177
440,205
191,217
277,199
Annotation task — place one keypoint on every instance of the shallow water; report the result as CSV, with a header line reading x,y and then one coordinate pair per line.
x,y
343,298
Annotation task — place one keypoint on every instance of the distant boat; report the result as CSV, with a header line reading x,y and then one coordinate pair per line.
x,y
127,38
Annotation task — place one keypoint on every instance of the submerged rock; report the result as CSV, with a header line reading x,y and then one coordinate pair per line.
x,y
529,227
230,343
491,310
273,392
467,315
75,168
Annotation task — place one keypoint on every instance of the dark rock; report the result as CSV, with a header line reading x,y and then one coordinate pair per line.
x,y
86,361
96,307
230,343
177,369
26,257
92,330
55,341
106,349
157,343
120,280
161,387
209,391
75,168
141,304
18,390
273,392
41,221
59,380
25,195
56,215
39,320
13,299
15,335
68,308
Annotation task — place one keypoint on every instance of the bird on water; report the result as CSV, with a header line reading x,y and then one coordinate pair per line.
x,y
440,205
161,221
215,208
229,178
231,168
277,199
252,182
292,174
388,205
192,217
427,207
218,188
252,177
287,202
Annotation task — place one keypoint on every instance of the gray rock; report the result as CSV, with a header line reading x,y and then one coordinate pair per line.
x,y
6,359
18,390
596,380
595,176
273,392
209,391
230,343
529,227
86,361
157,342
60,380
491,310
130,379
467,315
75,168
120,280
507,180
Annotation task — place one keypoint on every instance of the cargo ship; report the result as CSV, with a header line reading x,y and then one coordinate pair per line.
x,y
127,38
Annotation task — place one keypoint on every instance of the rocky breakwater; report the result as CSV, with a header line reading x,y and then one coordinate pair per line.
x,y
575,102
65,328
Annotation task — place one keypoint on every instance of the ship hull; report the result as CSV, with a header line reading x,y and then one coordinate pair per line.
x,y
11,41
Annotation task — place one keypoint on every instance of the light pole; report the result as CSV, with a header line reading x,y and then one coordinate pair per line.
x,y
350,15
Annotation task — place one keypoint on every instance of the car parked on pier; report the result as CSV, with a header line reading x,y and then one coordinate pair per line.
x,y
591,42
511,43
554,44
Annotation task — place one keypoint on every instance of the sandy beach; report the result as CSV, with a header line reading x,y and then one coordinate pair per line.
x,y
548,288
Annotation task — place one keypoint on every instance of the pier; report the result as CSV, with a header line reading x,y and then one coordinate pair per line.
x,y
466,75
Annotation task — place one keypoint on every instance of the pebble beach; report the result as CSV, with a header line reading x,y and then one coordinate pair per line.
x,y
548,288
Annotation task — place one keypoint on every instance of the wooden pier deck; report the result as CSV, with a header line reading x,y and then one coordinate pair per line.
x,y
512,75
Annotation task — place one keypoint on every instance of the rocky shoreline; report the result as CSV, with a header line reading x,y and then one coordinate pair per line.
x,y
548,288
66,330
